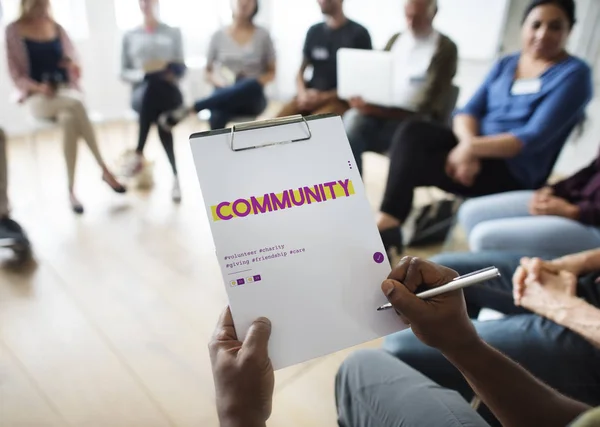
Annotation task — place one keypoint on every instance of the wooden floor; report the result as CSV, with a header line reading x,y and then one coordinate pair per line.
x,y
109,326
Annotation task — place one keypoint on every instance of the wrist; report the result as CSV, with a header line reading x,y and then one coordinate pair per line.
x,y
565,306
466,147
465,350
573,263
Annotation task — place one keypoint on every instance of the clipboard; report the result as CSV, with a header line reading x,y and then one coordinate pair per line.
x,y
294,234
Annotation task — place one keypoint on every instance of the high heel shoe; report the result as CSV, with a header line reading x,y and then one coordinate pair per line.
x,y
112,183
392,238
76,206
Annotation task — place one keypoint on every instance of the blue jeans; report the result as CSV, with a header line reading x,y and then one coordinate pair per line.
x,y
554,354
502,222
245,97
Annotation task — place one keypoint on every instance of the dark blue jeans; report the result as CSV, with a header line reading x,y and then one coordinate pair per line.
x,y
245,97
554,354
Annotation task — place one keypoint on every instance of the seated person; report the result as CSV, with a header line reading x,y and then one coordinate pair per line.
x,y
508,136
547,330
152,61
240,63
319,94
43,66
537,222
375,389
429,60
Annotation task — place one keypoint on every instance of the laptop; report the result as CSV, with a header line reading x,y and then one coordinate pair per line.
x,y
366,73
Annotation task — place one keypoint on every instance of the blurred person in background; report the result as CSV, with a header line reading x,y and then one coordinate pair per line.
x,y
319,94
152,60
44,66
511,132
538,221
240,63
426,61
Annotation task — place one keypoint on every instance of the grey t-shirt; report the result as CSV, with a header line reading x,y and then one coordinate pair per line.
x,y
250,60
140,46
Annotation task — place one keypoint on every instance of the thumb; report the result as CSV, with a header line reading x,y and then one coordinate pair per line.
x,y
257,338
403,300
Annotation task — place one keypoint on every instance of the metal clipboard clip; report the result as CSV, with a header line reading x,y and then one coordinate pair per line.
x,y
263,124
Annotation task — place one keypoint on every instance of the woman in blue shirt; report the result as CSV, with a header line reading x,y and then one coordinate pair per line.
x,y
508,136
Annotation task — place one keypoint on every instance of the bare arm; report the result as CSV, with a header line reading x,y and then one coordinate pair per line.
x,y
514,396
580,263
501,146
579,316
465,126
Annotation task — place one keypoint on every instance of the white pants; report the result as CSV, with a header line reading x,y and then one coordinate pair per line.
x,y
502,222
68,110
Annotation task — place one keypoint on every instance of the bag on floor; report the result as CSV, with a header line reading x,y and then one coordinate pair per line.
x,y
433,222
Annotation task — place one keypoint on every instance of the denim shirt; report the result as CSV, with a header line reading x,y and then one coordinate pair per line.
x,y
542,119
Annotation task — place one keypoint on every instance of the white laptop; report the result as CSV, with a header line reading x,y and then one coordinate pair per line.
x,y
366,73
380,79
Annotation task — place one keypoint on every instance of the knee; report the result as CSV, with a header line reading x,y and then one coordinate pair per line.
x,y
468,214
411,131
67,118
484,236
353,372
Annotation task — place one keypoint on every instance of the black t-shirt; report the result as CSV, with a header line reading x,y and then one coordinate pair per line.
x,y
321,46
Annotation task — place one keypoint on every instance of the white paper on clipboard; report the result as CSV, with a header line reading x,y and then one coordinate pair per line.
x,y
294,235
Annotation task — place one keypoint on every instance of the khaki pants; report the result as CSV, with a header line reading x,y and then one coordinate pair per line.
x,y
3,176
70,113
336,106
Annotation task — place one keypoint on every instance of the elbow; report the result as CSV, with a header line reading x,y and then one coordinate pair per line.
x,y
515,148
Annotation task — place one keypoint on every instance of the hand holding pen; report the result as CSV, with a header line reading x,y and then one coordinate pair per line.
x,y
441,321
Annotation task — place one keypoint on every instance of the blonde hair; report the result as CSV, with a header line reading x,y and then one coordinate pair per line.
x,y
27,6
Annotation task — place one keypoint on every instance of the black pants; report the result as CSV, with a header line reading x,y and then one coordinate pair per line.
x,y
150,99
418,159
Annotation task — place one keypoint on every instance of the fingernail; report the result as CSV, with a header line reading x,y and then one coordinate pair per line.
x,y
388,288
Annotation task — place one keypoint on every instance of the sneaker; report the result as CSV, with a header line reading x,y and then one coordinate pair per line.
x,y
176,191
167,121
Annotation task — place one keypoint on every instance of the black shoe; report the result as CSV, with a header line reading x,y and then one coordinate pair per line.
x,y
11,232
392,238
77,208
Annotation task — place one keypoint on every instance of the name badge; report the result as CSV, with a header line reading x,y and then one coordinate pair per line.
x,y
320,54
526,87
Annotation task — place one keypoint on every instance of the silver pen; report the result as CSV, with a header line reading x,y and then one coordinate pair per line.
x,y
458,283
